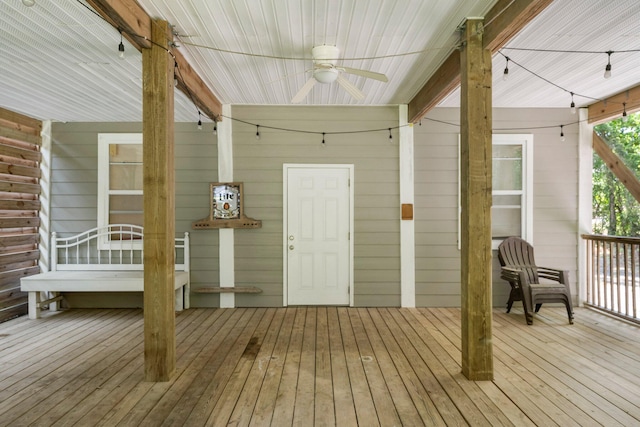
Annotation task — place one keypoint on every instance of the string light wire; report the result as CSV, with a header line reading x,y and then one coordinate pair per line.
x,y
508,59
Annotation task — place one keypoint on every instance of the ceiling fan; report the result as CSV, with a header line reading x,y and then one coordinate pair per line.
x,y
326,71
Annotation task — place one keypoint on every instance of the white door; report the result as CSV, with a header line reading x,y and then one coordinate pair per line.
x,y
318,249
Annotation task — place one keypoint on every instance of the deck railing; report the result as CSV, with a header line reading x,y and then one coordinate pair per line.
x,y
613,274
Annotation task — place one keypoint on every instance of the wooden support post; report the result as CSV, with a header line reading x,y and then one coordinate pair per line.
x,y
475,164
159,206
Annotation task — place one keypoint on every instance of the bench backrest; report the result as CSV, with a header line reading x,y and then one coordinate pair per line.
x,y
113,247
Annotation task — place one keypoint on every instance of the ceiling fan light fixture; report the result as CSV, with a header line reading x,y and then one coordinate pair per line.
x,y
325,75
28,3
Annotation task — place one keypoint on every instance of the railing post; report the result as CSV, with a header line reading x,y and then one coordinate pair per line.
x,y
612,269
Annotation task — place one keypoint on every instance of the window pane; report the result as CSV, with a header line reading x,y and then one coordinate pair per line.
x,y
505,222
507,174
507,200
125,177
125,153
504,151
125,209
507,167
125,218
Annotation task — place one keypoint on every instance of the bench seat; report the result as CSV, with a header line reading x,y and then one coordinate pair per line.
x,y
79,265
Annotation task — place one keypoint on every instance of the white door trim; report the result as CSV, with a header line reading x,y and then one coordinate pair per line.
x,y
285,206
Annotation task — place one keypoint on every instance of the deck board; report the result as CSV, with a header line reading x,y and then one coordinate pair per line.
x,y
319,366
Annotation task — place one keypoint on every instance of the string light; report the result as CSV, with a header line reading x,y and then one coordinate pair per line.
x,y
562,138
390,136
624,112
323,139
607,69
554,84
505,74
573,105
121,47
175,73
607,74
215,127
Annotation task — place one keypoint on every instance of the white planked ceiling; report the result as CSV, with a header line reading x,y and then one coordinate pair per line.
x,y
58,60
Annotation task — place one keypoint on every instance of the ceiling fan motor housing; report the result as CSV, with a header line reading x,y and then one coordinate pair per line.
x,y
325,55
324,60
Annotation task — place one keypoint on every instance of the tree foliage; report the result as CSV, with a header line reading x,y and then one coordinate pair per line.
x,y
615,211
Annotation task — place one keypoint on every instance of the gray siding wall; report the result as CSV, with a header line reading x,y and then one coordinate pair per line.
x,y
74,193
555,189
258,163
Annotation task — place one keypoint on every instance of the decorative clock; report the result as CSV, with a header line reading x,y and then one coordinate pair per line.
x,y
226,208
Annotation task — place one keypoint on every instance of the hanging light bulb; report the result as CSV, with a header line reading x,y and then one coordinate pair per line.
x,y
121,48
199,121
562,138
390,136
215,127
505,74
175,74
607,69
257,131
624,112
28,3
573,105
323,139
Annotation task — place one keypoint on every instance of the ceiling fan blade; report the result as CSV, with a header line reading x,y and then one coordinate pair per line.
x,y
349,87
365,73
304,90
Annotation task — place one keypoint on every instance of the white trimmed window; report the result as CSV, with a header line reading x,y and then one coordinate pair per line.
x,y
119,180
512,207
512,188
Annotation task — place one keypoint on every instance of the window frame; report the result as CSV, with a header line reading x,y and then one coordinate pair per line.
x,y
104,192
526,212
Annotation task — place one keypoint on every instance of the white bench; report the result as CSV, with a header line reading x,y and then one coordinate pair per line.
x,y
104,259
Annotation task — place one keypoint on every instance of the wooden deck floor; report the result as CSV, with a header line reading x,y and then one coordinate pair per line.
x,y
319,366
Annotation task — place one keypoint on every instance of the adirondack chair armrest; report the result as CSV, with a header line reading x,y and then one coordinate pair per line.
x,y
554,274
513,275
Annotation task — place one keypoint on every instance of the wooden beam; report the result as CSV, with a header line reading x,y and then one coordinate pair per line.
x,y
134,22
190,83
475,168
126,16
617,166
159,207
505,19
612,108
442,83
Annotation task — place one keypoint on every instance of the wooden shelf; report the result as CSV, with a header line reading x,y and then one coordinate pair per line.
x,y
234,289
209,223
